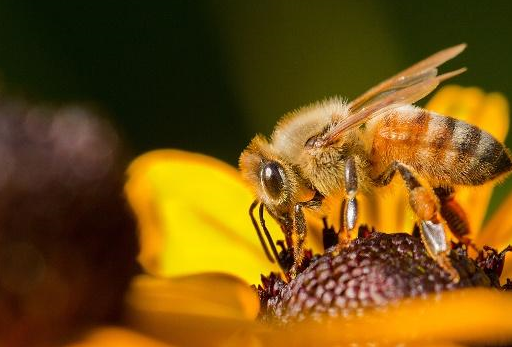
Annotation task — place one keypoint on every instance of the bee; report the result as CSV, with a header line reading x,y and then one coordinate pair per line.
x,y
334,147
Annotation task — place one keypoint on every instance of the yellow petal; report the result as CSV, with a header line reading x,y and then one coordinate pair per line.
x,y
458,102
435,344
208,294
193,216
497,232
115,337
443,100
192,310
493,116
474,201
387,208
463,316
487,111
507,268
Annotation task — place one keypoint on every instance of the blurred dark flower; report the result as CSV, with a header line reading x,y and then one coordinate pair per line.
x,y
67,238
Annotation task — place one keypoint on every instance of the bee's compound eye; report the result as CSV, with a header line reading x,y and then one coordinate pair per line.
x,y
272,179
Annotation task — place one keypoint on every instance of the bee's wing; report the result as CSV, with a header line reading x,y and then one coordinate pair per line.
x,y
406,87
417,73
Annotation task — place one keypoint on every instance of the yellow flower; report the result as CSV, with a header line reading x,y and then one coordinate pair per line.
x,y
201,253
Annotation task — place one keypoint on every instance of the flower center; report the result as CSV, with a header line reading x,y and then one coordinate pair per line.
x,y
372,271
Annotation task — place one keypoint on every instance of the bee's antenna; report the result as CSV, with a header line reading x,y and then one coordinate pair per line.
x,y
258,231
269,238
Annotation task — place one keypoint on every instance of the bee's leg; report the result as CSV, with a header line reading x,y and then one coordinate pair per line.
x,y
453,214
300,228
349,205
281,258
258,231
424,203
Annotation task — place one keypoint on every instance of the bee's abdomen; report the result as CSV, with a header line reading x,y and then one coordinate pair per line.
x,y
442,149
473,155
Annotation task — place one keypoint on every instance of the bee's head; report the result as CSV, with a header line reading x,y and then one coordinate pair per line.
x,y
273,180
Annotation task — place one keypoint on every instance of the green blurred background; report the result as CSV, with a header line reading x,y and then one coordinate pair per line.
x,y
207,75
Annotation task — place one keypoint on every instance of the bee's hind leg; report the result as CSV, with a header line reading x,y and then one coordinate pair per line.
x,y
434,239
454,215
425,205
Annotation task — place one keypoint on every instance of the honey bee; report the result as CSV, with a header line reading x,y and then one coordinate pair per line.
x,y
334,147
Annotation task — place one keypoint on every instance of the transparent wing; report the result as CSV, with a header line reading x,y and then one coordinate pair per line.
x,y
406,87
417,73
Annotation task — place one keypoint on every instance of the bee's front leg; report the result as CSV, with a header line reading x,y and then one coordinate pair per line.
x,y
349,205
425,205
300,230
299,236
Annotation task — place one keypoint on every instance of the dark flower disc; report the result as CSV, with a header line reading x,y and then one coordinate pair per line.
x,y
68,240
373,271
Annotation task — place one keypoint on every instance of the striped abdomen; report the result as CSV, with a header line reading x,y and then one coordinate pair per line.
x,y
443,150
